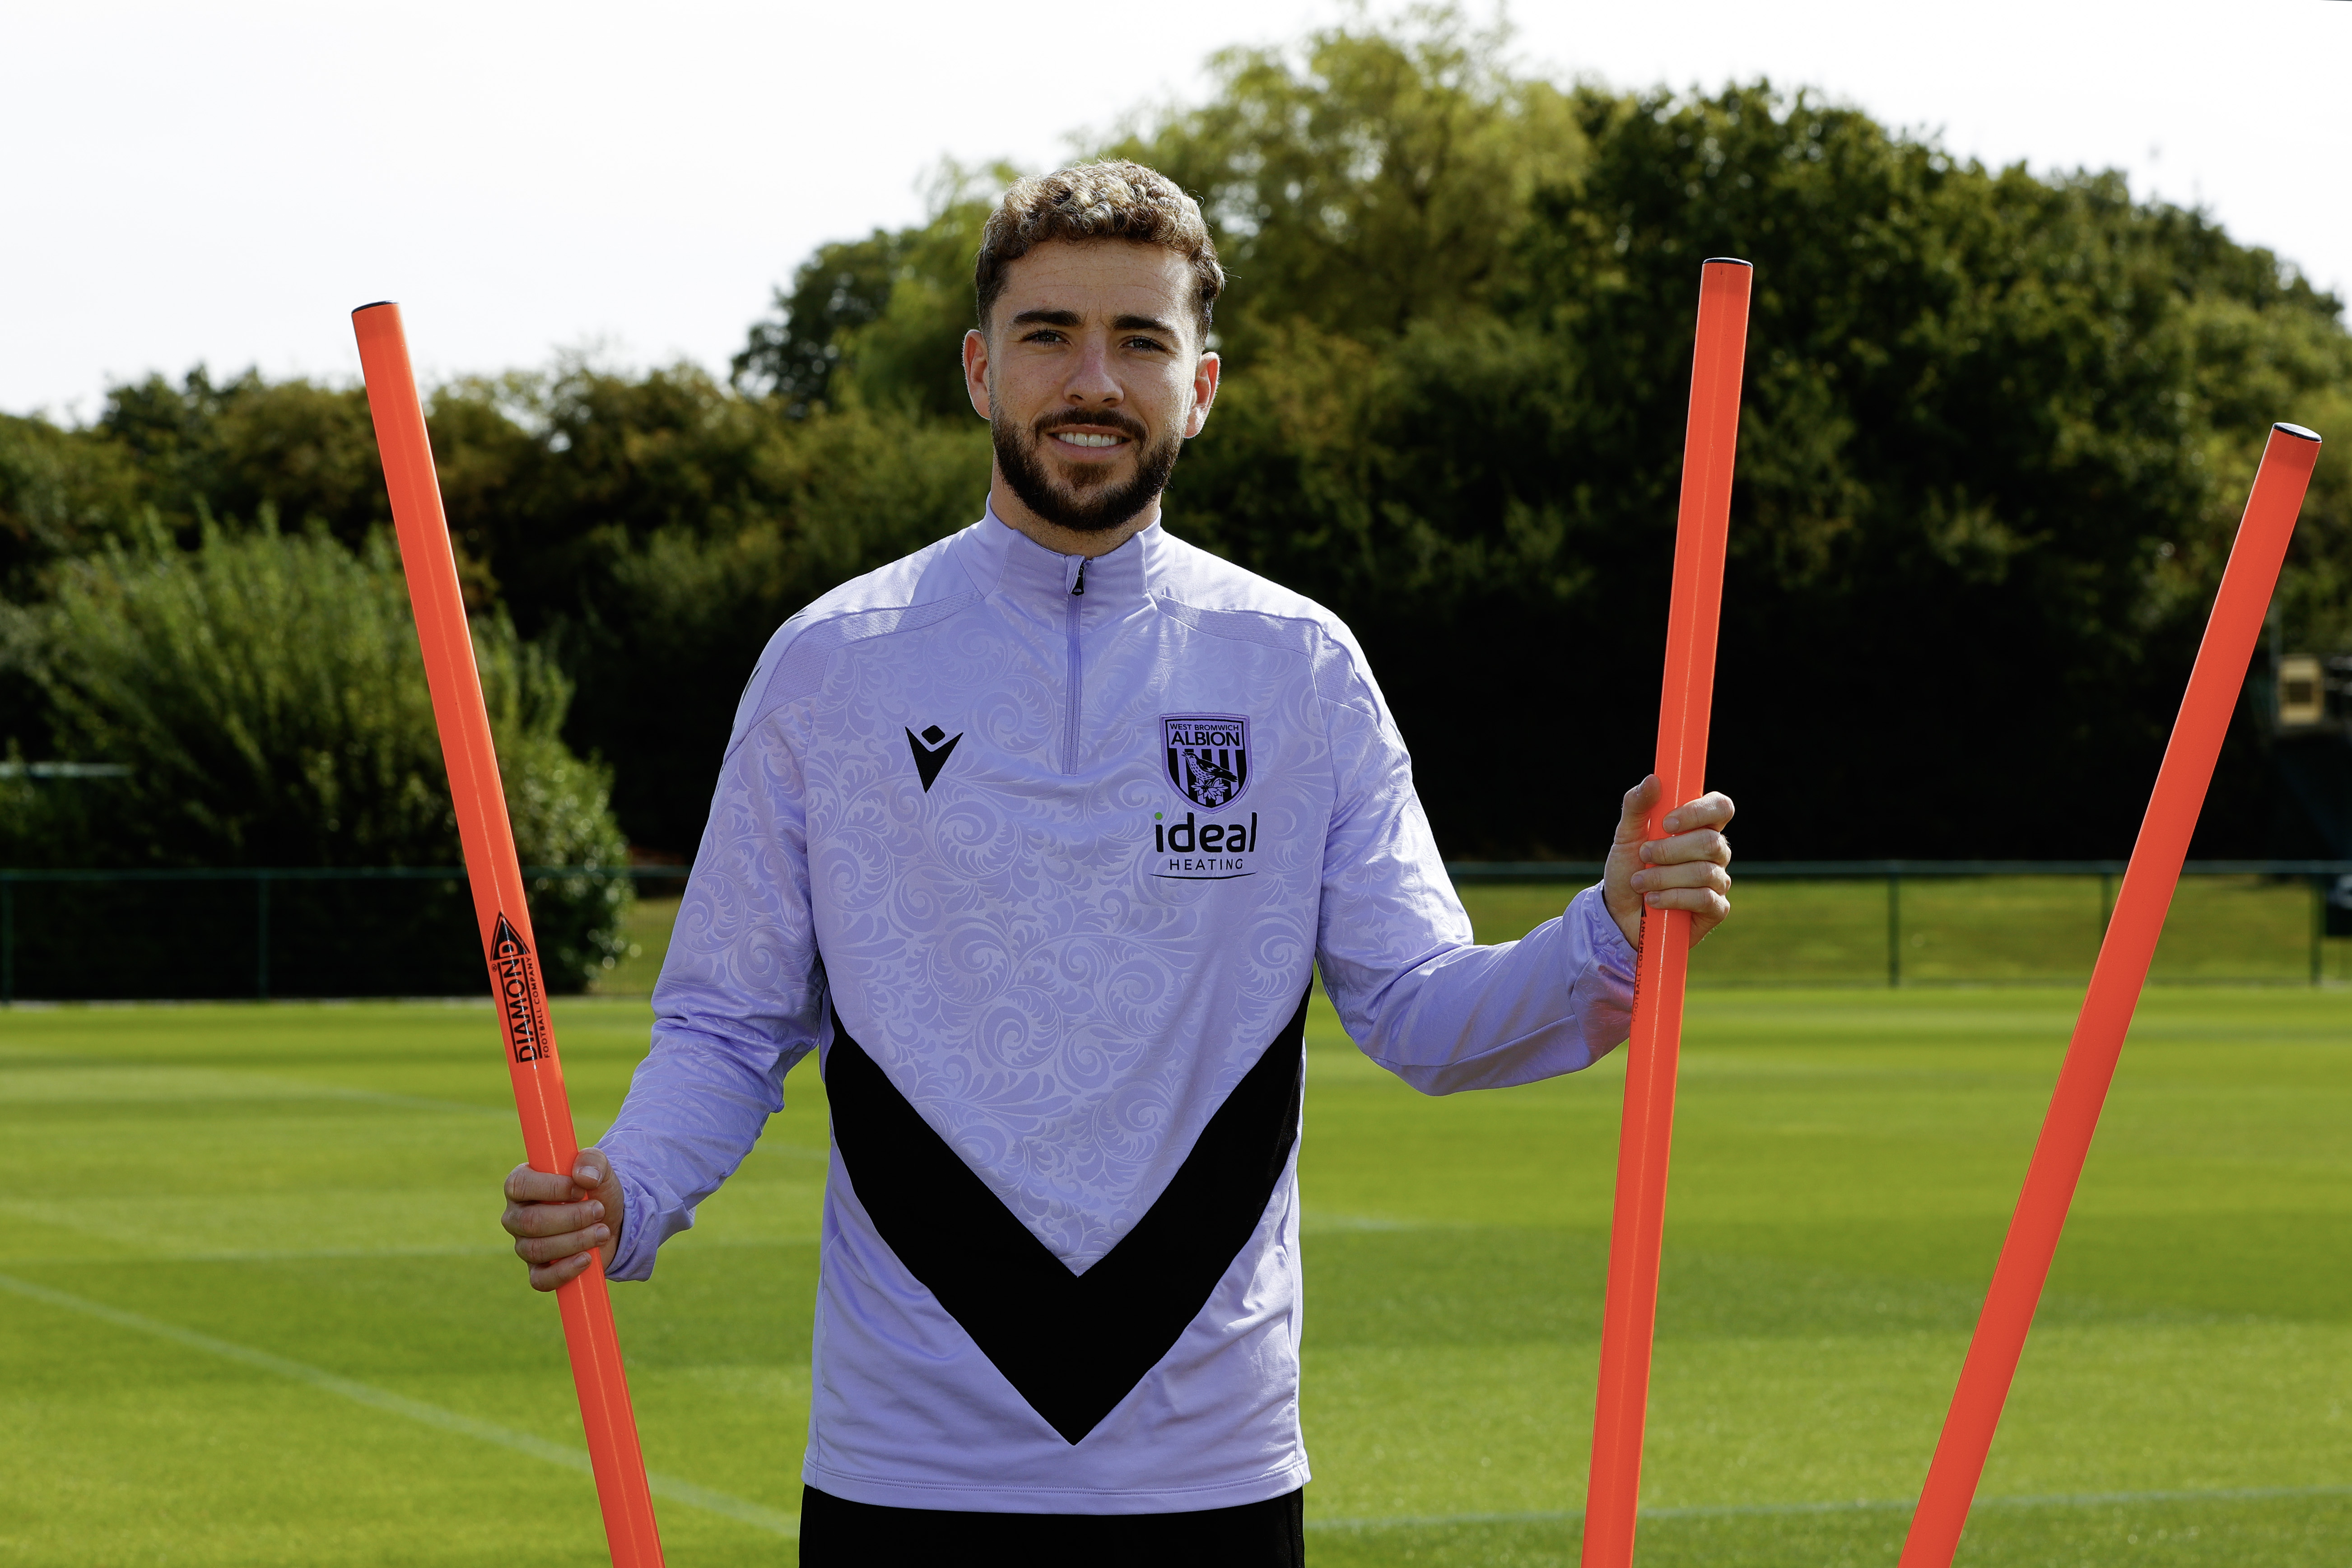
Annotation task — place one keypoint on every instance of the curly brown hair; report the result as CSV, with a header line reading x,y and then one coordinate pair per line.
x,y
1113,199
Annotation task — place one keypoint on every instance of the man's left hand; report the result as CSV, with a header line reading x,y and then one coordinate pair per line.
x,y
1684,870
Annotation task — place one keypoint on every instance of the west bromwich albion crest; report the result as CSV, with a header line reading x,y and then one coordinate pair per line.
x,y
1207,757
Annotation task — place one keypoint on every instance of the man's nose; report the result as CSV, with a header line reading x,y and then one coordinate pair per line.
x,y
1091,380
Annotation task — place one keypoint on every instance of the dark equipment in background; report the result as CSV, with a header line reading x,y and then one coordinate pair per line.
x,y
2311,753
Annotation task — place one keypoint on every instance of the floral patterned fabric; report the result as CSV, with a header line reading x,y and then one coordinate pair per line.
x,y
1063,841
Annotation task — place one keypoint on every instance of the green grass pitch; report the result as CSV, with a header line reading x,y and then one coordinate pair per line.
x,y
255,1306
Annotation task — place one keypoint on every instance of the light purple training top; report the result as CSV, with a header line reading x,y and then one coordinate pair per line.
x,y
1061,842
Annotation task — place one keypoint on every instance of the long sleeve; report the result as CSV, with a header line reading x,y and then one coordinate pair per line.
x,y
742,998
1394,946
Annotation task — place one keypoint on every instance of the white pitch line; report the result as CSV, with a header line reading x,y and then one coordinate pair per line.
x,y
669,1488
1862,1505
673,1490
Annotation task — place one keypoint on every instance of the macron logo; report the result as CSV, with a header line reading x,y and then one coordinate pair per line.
x,y
931,750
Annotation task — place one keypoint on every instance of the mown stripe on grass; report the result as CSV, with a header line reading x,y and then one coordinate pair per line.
x,y
668,1488
1860,1505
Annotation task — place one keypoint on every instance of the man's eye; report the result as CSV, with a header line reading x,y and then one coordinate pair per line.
x,y
1043,335
1149,345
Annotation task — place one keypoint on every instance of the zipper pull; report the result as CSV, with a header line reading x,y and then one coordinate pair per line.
x,y
1079,588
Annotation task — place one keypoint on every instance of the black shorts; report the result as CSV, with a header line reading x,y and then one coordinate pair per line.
x,y
836,1533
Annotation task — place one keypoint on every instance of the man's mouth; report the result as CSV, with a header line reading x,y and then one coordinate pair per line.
x,y
1087,470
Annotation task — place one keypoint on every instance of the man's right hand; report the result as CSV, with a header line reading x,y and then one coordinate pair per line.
x,y
556,1220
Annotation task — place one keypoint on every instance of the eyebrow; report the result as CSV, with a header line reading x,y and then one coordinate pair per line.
x,y
1071,318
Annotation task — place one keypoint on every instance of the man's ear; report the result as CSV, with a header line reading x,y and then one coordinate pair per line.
x,y
1204,391
975,370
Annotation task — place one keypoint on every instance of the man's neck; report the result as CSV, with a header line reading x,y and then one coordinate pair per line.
x,y
1015,513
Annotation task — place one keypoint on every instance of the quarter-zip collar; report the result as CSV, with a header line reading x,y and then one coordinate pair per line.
x,y
1002,558
1072,594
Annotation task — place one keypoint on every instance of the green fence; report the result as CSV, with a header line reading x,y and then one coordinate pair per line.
x,y
248,932
253,931
1914,922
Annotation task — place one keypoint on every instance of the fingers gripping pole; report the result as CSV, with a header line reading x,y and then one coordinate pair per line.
x,y
2115,980
507,943
1638,1228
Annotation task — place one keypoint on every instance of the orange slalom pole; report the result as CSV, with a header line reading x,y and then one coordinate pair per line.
x,y
1638,1230
2115,980
548,1141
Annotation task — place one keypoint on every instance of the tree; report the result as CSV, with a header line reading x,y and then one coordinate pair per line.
x,y
205,450
669,622
1996,432
878,324
63,493
266,693
791,355
1370,178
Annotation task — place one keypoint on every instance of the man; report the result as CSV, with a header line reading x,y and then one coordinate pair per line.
x,y
1036,838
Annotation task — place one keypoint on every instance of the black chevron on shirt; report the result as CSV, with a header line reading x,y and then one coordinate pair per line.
x,y
1074,1346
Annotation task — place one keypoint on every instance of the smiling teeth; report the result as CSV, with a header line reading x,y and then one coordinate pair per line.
x,y
1076,440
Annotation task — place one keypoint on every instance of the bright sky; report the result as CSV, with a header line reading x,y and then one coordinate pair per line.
x,y
223,182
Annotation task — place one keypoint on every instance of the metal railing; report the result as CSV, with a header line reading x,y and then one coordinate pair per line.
x,y
2322,876
264,877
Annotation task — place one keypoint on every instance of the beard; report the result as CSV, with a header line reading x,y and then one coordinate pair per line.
x,y
1089,501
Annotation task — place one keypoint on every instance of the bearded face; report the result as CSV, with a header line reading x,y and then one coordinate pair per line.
x,y
1083,497
1091,376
